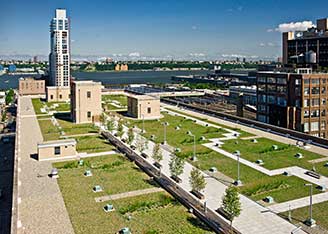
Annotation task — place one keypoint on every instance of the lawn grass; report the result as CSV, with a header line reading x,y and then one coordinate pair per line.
x,y
320,214
62,106
151,213
179,138
256,184
48,130
93,144
242,133
273,159
71,128
118,99
37,104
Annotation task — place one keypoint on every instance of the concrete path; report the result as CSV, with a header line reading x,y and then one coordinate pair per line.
x,y
298,203
295,171
253,219
41,208
282,139
128,194
79,135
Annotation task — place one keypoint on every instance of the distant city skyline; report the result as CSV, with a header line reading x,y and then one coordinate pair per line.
x,y
157,30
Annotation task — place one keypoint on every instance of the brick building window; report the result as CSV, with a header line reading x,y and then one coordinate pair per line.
x,y
88,94
89,114
148,110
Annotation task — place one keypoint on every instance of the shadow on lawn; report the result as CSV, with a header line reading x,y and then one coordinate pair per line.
x,y
63,116
197,223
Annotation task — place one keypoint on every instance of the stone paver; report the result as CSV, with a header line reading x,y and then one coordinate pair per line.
x,y
41,208
128,194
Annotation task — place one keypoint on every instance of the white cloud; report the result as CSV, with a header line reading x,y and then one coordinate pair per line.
x,y
270,30
294,26
268,44
194,27
134,54
239,56
197,54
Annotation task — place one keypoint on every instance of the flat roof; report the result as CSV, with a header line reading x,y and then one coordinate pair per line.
x,y
86,82
142,97
47,144
58,87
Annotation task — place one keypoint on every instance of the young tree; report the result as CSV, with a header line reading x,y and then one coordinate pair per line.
x,y
157,153
141,144
103,119
197,180
176,166
231,203
110,125
120,129
130,136
10,96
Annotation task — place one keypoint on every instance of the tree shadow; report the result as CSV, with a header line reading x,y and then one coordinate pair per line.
x,y
197,223
151,182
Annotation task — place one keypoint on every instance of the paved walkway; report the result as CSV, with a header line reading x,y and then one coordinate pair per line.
x,y
298,203
41,208
295,171
253,219
128,194
282,139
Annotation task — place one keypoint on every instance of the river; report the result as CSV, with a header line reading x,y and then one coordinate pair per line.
x,y
130,77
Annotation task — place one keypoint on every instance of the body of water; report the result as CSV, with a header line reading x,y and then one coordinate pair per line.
x,y
130,77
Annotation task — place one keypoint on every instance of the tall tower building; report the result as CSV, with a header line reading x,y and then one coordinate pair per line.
x,y
59,58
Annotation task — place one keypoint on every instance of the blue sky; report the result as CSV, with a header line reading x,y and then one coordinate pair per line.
x,y
162,28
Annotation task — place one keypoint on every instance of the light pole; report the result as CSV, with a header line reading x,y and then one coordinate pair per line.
x,y
194,158
165,124
238,181
143,123
310,221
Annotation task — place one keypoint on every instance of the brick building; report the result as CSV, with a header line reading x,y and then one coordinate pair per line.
x,y
293,100
31,86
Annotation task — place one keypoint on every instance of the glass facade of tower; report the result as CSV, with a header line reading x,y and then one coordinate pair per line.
x,y
59,58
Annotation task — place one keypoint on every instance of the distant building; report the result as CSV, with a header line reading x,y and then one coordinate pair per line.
x,y
144,107
121,67
85,101
31,86
307,47
59,58
117,67
294,101
35,59
124,67
57,94
248,92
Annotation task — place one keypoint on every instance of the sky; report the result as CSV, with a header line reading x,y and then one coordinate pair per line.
x,y
157,28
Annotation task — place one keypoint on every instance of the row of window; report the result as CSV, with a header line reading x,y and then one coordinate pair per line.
x,y
314,126
314,90
314,102
314,113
